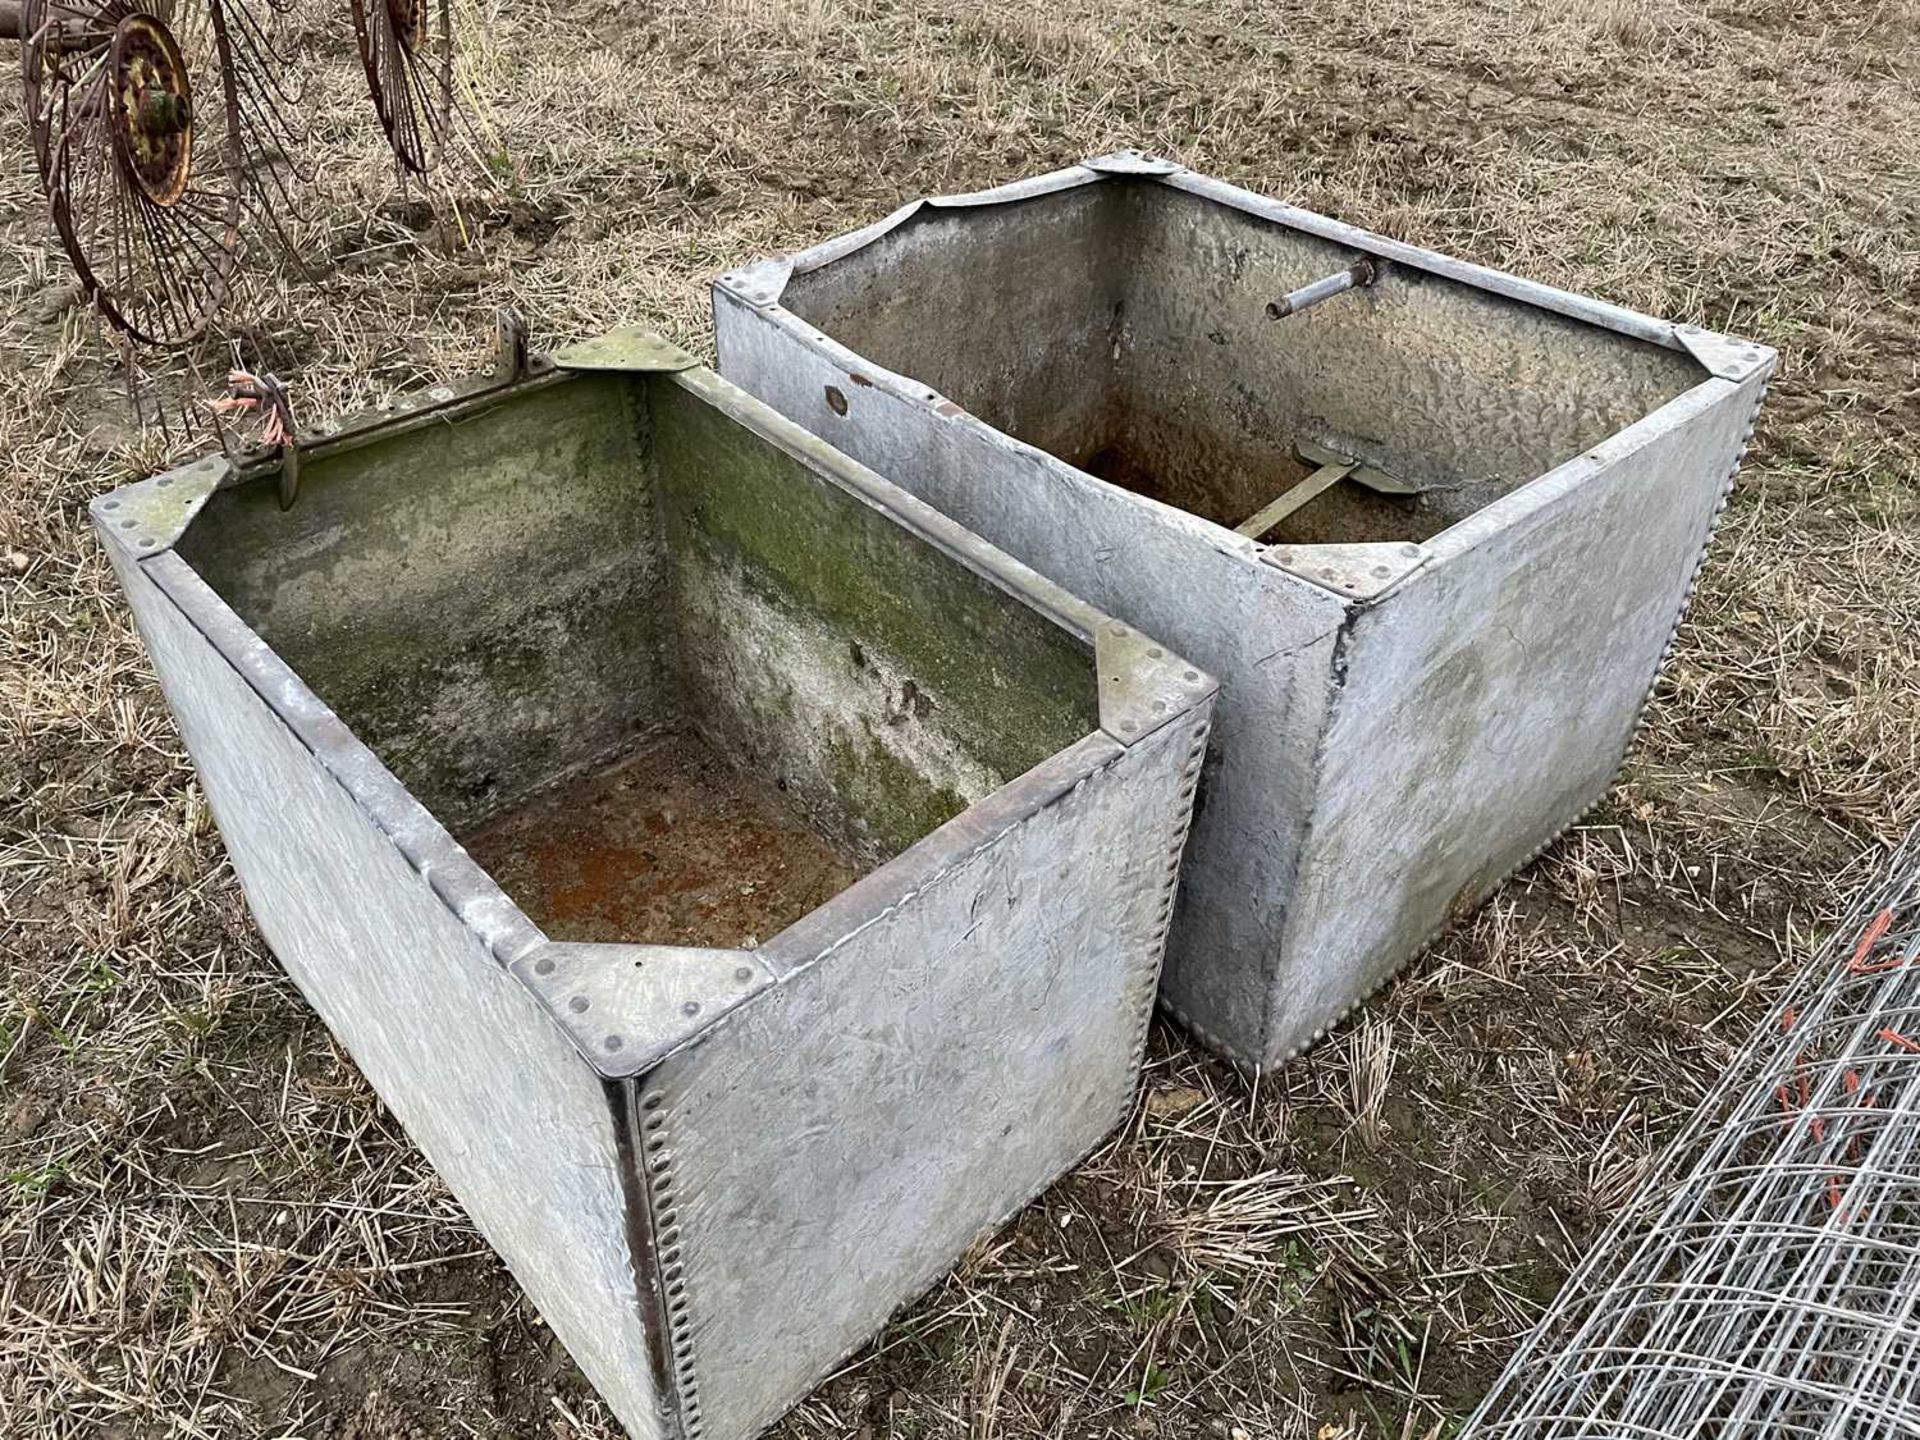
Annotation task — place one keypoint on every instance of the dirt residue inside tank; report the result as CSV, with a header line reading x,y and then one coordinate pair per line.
x,y
670,846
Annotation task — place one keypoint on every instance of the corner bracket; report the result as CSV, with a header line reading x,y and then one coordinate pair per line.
x,y
760,284
631,349
628,1007
1143,684
1725,356
1358,572
151,515
1132,162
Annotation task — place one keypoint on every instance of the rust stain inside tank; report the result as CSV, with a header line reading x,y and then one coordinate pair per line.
x,y
670,846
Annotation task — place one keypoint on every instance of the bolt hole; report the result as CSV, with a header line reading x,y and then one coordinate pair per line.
x,y
743,974
1193,674
1155,652
109,504
543,967
836,400
614,1042
164,481
126,524
578,1004
692,1007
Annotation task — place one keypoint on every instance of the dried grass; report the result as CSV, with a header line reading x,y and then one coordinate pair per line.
x,y
209,1226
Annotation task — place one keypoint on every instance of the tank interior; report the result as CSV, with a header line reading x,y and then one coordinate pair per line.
x,y
1125,327
665,682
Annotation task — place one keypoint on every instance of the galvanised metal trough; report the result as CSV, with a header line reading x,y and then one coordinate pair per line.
x,y
1433,526
685,679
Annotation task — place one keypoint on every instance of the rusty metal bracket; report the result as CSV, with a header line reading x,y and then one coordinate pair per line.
x,y
516,366
511,347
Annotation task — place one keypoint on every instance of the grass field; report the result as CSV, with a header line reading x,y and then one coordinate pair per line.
x,y
210,1227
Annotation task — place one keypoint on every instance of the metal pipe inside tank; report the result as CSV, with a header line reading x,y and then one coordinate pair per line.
x,y
1362,272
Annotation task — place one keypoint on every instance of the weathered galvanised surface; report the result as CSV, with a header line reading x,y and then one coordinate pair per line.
x,y
715,1171
1430,668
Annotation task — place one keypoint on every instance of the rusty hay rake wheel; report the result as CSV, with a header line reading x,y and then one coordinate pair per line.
x,y
164,129
406,48
137,129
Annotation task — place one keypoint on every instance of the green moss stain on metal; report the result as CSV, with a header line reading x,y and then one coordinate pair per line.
x,y
1016,687
496,602
478,600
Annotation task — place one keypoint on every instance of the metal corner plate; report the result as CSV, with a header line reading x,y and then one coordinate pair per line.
x,y
1133,162
759,284
1355,572
1143,684
151,515
1726,356
630,348
628,1007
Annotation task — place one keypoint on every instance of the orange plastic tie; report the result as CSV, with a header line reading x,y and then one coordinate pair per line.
x,y
1874,933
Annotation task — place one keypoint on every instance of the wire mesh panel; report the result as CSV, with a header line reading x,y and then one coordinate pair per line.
x,y
1765,1279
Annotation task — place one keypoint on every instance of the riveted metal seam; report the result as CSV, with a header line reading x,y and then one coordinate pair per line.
x,y
655,1141
1693,579
623,1100
1143,984
1419,951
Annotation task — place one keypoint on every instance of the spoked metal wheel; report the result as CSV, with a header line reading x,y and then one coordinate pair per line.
x,y
406,47
137,127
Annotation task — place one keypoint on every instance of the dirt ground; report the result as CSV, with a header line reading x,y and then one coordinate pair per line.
x,y
209,1226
